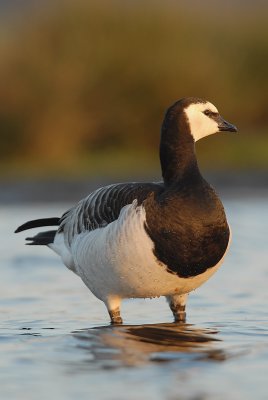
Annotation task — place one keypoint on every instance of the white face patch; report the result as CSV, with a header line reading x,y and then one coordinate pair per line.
x,y
201,125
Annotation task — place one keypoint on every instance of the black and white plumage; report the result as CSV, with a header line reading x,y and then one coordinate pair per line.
x,y
132,240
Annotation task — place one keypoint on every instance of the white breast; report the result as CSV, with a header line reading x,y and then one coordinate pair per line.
x,y
119,260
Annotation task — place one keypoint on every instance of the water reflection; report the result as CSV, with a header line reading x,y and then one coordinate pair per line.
x,y
118,346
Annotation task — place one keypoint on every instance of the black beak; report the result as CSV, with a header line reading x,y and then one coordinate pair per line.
x,y
226,126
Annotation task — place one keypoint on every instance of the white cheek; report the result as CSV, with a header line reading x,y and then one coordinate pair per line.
x,y
202,126
205,127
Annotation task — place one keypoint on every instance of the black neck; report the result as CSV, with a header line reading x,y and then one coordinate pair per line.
x,y
177,152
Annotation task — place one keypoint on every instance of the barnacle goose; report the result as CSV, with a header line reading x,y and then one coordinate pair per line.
x,y
140,240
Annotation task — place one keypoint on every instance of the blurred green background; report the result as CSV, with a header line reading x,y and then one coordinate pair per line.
x,y
84,84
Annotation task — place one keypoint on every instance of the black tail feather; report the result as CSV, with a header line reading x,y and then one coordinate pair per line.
x,y
37,223
42,238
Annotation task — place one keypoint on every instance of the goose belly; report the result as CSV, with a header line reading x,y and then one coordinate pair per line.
x,y
119,260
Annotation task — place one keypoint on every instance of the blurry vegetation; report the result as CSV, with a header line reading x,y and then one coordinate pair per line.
x,y
84,85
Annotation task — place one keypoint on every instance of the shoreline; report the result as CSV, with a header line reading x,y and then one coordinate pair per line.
x,y
32,190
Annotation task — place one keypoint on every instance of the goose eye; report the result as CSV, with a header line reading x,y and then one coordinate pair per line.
x,y
211,114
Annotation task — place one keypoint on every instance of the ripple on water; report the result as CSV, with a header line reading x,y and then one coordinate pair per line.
x,y
135,345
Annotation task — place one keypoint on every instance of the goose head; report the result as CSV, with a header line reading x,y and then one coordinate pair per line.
x,y
185,122
194,118
204,119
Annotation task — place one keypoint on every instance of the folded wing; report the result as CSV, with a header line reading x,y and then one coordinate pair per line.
x,y
103,206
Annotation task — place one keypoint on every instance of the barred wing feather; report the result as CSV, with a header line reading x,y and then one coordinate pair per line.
x,y
103,206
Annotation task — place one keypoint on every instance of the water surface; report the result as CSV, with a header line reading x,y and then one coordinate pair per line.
x,y
56,341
